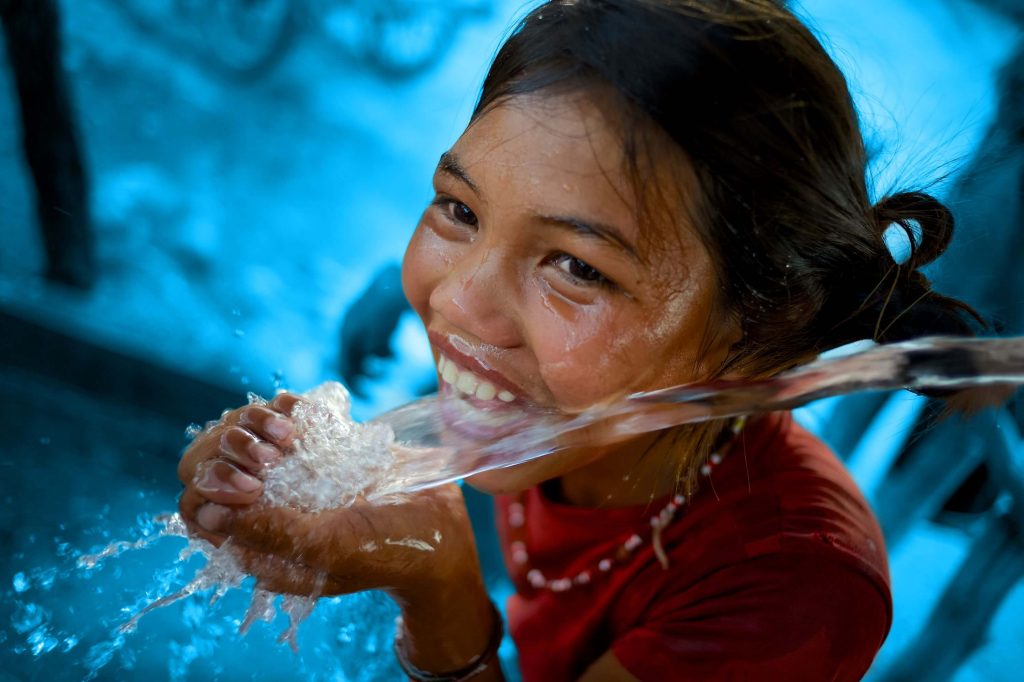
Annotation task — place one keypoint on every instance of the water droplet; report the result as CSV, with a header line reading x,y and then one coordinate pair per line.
x,y
27,617
45,578
41,642
20,582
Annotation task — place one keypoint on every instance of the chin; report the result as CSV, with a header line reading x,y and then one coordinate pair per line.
x,y
501,481
519,477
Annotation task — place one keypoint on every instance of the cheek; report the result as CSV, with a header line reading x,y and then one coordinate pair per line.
x,y
423,267
583,353
589,353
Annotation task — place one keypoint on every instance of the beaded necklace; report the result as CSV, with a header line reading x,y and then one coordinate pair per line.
x,y
659,522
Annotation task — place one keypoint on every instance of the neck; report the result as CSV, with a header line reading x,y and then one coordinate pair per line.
x,y
631,473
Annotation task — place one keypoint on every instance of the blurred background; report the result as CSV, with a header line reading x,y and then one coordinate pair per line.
x,y
200,199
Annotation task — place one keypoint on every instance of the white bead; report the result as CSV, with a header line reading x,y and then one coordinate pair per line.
x,y
678,500
706,470
560,585
604,564
535,578
632,543
716,458
583,578
516,520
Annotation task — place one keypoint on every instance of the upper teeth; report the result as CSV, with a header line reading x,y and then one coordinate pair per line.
x,y
469,383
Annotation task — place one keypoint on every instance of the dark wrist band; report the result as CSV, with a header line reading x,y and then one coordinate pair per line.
x,y
476,666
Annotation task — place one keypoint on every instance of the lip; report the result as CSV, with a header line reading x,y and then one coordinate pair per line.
x,y
476,366
483,422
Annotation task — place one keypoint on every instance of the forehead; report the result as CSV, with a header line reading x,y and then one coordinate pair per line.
x,y
547,135
566,153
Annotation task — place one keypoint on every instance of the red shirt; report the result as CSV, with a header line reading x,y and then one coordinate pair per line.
x,y
777,571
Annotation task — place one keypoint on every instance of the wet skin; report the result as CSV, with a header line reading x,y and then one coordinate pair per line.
x,y
533,260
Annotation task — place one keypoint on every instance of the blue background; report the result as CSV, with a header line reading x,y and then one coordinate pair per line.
x,y
237,220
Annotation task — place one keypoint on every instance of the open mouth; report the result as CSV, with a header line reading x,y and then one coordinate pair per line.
x,y
476,407
464,382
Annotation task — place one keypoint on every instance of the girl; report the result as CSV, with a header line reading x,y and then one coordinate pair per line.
x,y
648,193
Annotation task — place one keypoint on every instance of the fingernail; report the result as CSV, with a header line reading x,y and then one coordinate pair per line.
x,y
225,440
264,453
208,481
244,482
278,428
213,517
235,481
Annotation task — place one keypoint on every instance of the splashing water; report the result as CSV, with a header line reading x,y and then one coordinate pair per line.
x,y
332,461
442,438
445,439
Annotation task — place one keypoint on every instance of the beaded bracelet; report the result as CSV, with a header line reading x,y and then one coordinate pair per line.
x,y
476,666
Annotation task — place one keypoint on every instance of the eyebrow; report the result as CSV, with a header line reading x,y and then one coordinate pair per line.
x,y
612,236
592,230
449,163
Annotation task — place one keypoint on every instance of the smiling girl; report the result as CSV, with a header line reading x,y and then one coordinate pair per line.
x,y
649,193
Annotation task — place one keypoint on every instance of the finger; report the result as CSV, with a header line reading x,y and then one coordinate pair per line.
x,y
268,424
206,445
286,402
218,480
246,450
188,505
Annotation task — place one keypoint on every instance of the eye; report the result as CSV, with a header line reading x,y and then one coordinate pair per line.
x,y
456,211
580,272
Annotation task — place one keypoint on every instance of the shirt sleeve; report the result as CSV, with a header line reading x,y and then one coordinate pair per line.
x,y
775,617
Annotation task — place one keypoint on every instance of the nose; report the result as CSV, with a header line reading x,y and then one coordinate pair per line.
x,y
477,296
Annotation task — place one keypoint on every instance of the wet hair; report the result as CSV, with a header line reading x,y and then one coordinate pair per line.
x,y
766,120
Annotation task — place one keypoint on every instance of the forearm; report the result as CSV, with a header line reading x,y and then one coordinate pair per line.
x,y
445,628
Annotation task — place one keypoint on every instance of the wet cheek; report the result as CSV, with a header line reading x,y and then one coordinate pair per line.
x,y
582,353
424,266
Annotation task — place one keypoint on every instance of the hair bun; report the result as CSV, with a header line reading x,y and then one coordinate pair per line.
x,y
895,301
933,220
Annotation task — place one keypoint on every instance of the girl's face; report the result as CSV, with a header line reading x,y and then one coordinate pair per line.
x,y
536,281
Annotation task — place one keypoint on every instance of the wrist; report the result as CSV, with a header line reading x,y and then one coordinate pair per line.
x,y
484,665
447,626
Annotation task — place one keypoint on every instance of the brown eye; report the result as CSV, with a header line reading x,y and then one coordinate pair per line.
x,y
579,271
460,212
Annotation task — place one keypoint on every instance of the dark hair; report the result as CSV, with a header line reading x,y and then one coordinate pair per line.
x,y
766,119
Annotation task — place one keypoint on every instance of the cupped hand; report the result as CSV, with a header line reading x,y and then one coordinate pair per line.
x,y
409,549
226,464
